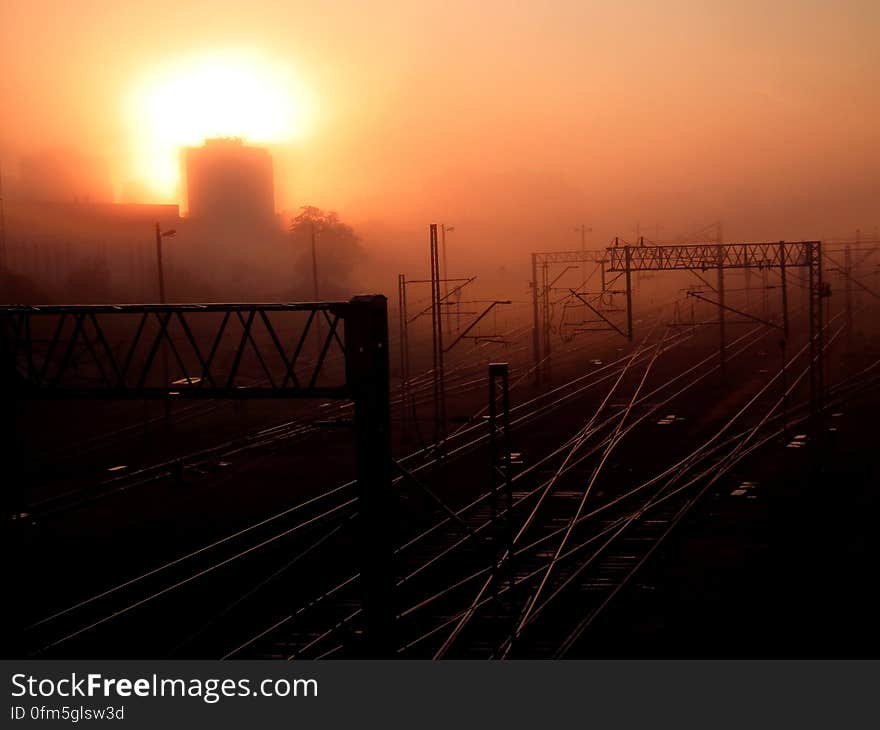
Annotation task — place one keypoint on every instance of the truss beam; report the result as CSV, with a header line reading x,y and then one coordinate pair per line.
x,y
706,256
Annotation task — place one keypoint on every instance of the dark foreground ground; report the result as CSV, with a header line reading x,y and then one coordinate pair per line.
x,y
787,569
784,568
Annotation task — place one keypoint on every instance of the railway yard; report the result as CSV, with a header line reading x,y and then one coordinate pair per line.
x,y
644,496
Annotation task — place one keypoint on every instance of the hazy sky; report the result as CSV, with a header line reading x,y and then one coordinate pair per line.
x,y
515,117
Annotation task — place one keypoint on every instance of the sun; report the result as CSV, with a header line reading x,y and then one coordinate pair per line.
x,y
223,94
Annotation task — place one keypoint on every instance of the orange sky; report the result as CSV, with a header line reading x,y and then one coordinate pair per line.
x,y
522,119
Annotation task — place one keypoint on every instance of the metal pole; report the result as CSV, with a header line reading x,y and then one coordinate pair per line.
x,y
747,273
536,339
161,272
783,346
367,378
820,334
722,324
445,280
500,463
319,340
784,286
437,328
13,451
160,268
815,323
628,278
12,497
848,294
765,294
545,288
404,357
493,474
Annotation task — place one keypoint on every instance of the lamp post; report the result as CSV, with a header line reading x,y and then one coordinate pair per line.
x,y
160,234
315,291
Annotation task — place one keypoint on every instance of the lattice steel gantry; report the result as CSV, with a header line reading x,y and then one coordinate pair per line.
x,y
237,351
780,255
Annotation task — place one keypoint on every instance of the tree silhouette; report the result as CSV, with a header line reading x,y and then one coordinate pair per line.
x,y
337,246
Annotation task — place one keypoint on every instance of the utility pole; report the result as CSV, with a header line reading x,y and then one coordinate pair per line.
x,y
536,339
315,293
639,242
848,293
545,289
159,265
817,293
722,324
367,376
500,466
437,330
445,276
404,357
784,286
160,234
628,272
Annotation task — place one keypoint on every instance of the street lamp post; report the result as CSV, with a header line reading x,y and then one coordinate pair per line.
x,y
160,234
319,338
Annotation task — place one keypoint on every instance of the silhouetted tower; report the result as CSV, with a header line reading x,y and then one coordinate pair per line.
x,y
228,182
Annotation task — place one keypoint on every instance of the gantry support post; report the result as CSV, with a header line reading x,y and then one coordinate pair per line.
x,y
404,357
500,464
817,295
765,294
367,379
536,335
784,287
747,276
437,329
46,367
848,295
445,277
627,255
546,320
12,497
722,324
12,493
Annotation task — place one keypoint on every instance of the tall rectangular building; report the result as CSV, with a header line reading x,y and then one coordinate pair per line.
x,y
230,183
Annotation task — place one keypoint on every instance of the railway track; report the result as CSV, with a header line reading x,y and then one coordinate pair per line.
x,y
326,624
136,593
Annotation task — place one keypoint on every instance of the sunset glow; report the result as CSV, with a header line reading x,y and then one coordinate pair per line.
x,y
219,95
409,331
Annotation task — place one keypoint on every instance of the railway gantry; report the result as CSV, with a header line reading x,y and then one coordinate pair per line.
x,y
622,261
781,255
235,351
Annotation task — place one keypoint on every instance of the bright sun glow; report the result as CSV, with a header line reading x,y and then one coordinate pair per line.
x,y
221,95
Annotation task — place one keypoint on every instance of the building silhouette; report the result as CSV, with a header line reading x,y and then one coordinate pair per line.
x,y
230,243
230,183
